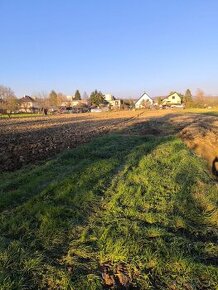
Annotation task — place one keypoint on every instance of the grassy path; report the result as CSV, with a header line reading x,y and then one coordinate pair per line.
x,y
128,211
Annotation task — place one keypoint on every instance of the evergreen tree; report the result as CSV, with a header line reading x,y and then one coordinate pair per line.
x,y
187,99
188,94
96,98
77,95
53,99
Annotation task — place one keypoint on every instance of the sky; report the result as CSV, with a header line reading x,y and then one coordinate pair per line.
x,y
123,47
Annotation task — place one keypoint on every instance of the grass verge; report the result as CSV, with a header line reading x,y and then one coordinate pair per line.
x,y
21,115
145,205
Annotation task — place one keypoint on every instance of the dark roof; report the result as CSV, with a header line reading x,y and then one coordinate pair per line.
x,y
27,99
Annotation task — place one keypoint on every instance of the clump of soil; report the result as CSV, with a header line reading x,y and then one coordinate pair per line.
x,y
117,277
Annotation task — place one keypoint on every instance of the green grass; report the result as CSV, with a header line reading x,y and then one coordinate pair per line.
x,y
148,203
21,115
213,111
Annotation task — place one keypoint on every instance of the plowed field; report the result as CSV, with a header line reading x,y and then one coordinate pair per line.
x,y
25,141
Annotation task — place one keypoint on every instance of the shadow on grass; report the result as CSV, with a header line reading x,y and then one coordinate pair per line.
x,y
173,124
215,113
48,208
41,207
158,218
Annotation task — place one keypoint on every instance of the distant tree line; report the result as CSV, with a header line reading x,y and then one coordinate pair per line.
x,y
200,100
10,104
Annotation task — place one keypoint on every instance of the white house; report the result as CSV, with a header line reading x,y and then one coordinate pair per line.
x,y
69,98
144,101
116,104
172,99
113,102
109,97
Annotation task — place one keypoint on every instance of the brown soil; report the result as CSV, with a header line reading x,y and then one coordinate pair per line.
x,y
202,136
29,140
24,141
117,276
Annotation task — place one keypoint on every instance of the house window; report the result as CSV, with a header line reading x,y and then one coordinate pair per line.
x,y
173,97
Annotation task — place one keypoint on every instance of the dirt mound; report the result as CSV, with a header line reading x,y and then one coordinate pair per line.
x,y
198,131
202,137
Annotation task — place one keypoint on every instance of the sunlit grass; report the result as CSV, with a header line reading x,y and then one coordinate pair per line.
x,y
146,202
213,111
21,115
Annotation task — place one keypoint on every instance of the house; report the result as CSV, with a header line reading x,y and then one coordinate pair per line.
x,y
116,104
109,98
75,103
144,101
113,103
28,105
172,99
80,108
69,98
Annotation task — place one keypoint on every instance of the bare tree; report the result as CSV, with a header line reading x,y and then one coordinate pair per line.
x,y
200,93
200,98
60,99
42,100
8,100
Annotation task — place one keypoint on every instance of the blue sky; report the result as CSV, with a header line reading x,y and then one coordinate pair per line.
x,y
120,46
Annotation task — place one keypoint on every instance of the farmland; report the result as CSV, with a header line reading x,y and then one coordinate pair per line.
x,y
30,140
135,208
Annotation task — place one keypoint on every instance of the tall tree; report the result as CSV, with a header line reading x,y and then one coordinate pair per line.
x,y
42,100
188,93
61,98
187,98
8,100
200,98
77,95
53,99
96,98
